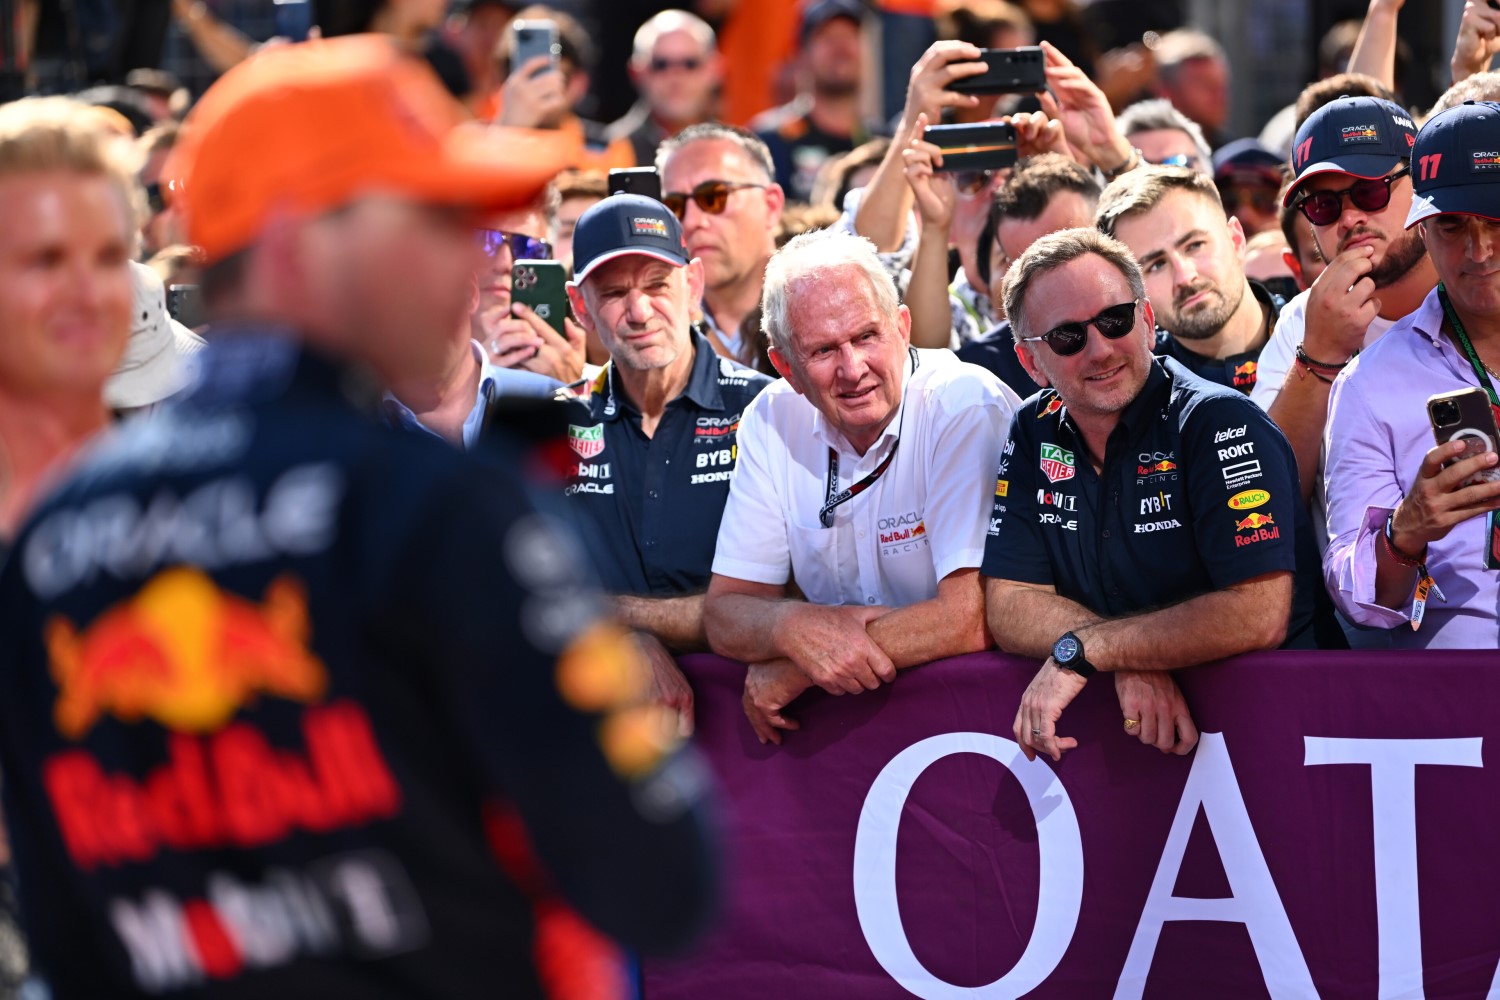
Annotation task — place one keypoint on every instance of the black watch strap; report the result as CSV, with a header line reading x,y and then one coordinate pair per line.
x,y
1067,652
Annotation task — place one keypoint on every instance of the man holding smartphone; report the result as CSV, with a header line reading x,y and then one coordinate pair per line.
x,y
1411,526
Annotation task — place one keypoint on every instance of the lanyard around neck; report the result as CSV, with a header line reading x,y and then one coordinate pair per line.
x,y
834,495
1467,346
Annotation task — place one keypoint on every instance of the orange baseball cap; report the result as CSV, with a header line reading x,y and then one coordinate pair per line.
x,y
307,128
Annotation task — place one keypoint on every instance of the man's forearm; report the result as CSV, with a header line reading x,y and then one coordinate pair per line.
x,y
1301,411
676,621
951,624
1027,621
1205,628
742,627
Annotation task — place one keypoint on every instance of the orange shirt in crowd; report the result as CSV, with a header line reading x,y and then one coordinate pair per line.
x,y
756,40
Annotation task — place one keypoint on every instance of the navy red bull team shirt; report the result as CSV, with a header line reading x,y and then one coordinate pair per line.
x,y
651,506
1198,491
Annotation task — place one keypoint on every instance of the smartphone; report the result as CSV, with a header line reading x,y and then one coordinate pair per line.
x,y
1011,71
542,285
185,306
1465,415
986,146
635,180
532,38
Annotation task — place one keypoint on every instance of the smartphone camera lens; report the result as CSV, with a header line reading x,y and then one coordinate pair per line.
x,y
1445,413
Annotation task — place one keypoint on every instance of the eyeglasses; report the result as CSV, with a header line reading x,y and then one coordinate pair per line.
x,y
710,196
1323,208
691,64
521,247
1112,323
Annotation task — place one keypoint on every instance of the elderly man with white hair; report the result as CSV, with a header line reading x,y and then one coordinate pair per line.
x,y
866,476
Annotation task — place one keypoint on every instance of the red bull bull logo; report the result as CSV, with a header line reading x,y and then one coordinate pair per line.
x,y
1244,375
184,654
1254,521
1051,408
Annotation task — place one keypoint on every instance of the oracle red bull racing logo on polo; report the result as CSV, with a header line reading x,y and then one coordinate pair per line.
x,y
586,442
1057,463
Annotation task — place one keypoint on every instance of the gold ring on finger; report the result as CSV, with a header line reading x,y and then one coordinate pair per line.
x,y
1131,724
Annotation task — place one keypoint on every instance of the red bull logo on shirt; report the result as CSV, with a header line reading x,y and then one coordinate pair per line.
x,y
183,653
1262,528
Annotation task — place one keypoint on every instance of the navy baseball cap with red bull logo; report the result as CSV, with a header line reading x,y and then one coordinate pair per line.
x,y
1456,164
1360,136
625,224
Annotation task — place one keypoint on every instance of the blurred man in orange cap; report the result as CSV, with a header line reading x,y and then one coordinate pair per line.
x,y
283,715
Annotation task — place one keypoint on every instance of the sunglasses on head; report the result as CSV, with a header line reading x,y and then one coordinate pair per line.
x,y
1323,208
521,247
1113,323
710,196
691,64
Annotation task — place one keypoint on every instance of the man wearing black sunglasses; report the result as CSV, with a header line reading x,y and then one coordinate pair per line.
x,y
1354,187
676,68
1138,508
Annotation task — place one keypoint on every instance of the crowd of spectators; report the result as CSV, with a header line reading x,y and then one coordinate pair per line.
x,y
422,362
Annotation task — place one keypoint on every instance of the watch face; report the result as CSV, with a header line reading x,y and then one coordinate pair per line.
x,y
1065,649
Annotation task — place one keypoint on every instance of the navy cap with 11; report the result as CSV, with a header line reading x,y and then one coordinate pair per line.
x,y
1361,136
1456,164
625,224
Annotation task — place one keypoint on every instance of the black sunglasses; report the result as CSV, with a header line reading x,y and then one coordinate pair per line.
x,y
1262,199
691,64
1323,208
521,247
1112,323
710,196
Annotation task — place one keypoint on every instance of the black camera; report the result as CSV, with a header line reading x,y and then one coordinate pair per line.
x,y
1445,413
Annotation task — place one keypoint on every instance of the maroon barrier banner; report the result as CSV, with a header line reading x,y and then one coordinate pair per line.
x,y
1336,833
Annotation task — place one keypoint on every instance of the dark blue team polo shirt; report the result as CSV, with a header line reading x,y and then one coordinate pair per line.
x,y
1238,371
651,506
1198,491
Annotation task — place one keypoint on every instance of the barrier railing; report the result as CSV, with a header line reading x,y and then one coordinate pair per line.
x,y
1336,833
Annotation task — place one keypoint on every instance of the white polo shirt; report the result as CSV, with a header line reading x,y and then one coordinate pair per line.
x,y
923,519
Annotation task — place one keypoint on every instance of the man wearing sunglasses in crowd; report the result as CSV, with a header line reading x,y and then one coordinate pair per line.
x,y
861,487
1353,185
676,67
511,332
1216,320
1412,531
1138,508
1165,136
718,180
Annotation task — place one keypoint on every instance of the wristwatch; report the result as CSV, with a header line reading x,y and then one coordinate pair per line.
x,y
1067,652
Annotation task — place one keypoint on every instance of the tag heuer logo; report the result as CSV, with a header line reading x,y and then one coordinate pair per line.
x,y
1057,464
586,441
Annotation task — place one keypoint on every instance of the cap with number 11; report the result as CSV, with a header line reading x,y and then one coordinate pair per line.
x,y
1455,166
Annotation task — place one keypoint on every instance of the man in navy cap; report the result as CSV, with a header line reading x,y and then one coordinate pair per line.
x,y
1248,176
1354,186
1413,537
655,454
824,120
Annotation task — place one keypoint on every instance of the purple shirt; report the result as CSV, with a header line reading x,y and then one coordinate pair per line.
x,y
1376,438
